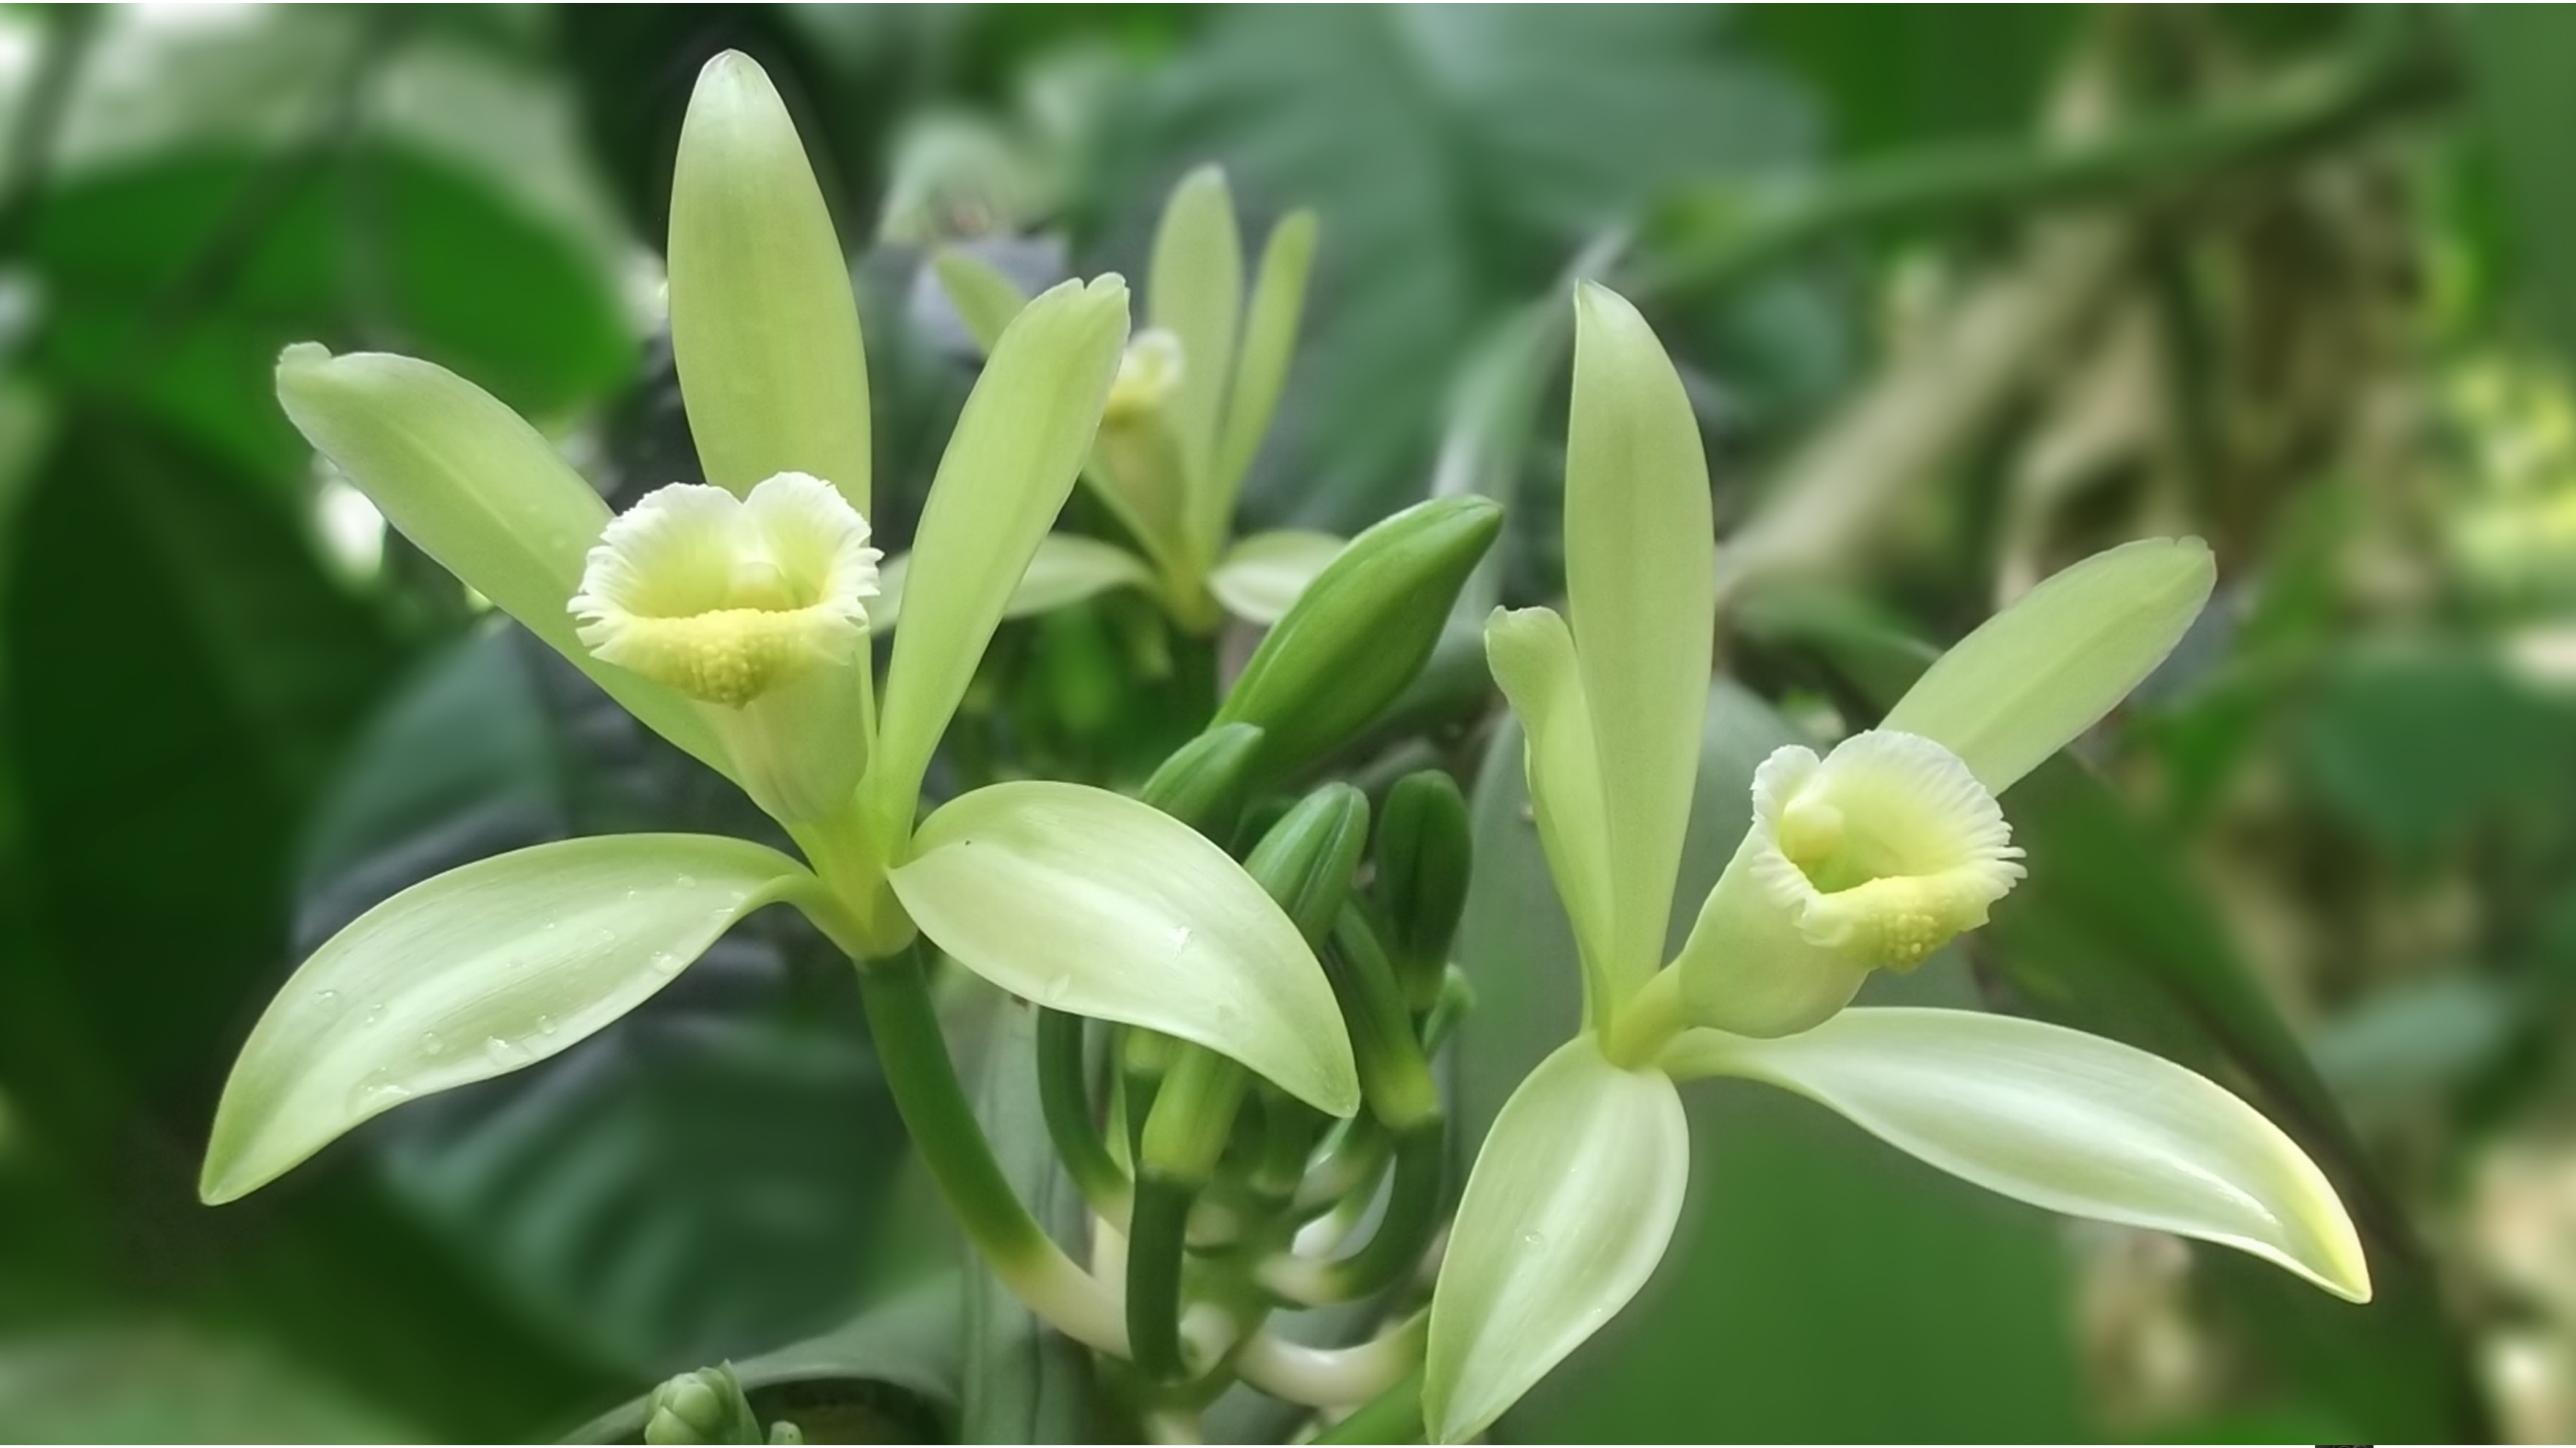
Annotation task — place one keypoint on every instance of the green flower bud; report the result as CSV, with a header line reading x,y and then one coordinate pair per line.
x,y
705,1406
1424,848
1361,630
1307,859
1204,782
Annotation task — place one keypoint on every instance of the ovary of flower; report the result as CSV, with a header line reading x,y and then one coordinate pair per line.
x,y
1883,850
726,598
1149,372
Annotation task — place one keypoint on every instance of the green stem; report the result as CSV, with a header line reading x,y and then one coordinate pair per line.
x,y
1156,1245
2387,74
912,1052
1394,1416
1064,1095
1404,1229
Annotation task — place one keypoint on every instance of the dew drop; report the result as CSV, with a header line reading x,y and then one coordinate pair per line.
x,y
376,1089
506,1053
686,882
606,936
545,1025
667,962
326,997
375,1014
430,1044
1533,1239
1180,936
552,923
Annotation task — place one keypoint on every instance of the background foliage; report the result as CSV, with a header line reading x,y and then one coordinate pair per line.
x,y
1962,294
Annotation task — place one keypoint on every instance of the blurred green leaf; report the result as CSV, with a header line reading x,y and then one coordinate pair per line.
x,y
1822,1287
700,1180
1457,155
1904,78
2517,67
166,1384
2415,744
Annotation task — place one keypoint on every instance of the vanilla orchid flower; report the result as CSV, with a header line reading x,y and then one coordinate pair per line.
x,y
1870,856
734,617
1194,395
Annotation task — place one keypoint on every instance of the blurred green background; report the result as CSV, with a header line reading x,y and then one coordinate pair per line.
x,y
1963,293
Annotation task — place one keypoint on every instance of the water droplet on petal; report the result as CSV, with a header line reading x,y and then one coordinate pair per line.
x,y
686,882
376,1090
375,1014
667,962
1179,935
506,1053
545,1025
326,997
430,1044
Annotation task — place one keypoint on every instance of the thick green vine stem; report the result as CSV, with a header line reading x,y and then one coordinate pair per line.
x,y
1185,1134
1064,1094
913,1053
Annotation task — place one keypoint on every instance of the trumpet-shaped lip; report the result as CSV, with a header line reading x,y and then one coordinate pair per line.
x,y
1884,849
1149,372
722,597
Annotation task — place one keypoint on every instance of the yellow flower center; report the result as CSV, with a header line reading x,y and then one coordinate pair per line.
x,y
1884,850
726,598
1149,372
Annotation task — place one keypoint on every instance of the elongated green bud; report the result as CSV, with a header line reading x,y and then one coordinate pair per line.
x,y
1424,849
1360,631
1307,859
1204,782
705,1406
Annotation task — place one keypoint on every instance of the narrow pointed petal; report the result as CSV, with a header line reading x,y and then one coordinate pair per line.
x,y
1086,901
2060,657
985,299
1194,290
1567,1213
1640,582
476,973
1066,569
763,324
1532,656
2066,1121
1261,576
1261,369
1000,485
476,488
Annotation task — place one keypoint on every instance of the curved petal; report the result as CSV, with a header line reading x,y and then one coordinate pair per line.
x,y
478,972
1194,290
1067,568
1570,1206
1261,369
764,328
1532,656
1003,479
2066,653
1262,575
1641,589
1747,968
1087,901
474,486
2066,1121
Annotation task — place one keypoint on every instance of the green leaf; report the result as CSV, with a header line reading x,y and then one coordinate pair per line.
x,y
1089,902
1641,586
985,299
1005,475
1261,368
2525,112
1194,290
162,1383
763,324
2057,659
1066,569
1532,653
477,489
1573,1198
1260,577
480,971
2066,1121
